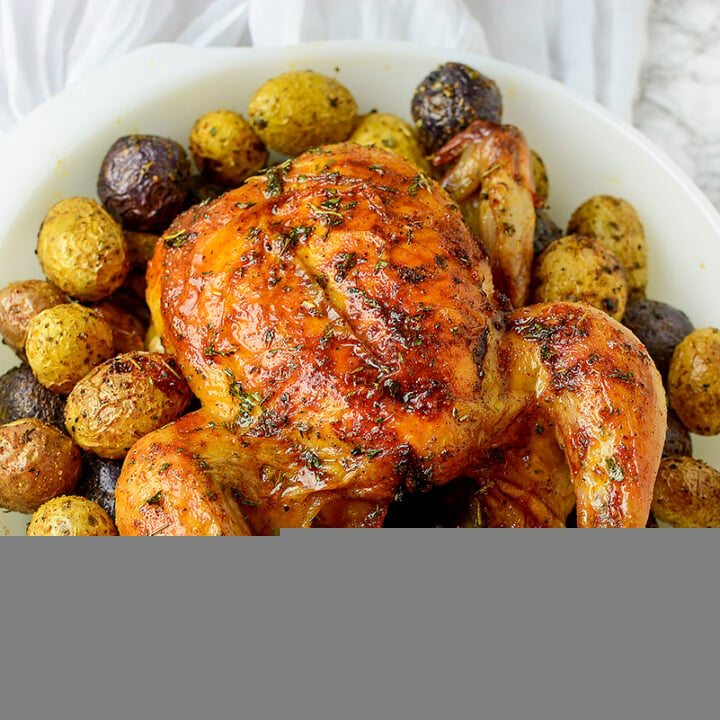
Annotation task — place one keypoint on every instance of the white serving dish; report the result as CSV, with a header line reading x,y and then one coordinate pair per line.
x,y
56,151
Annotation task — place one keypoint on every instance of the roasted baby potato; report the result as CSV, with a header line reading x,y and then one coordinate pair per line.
x,y
615,223
127,329
540,177
143,181
659,326
37,462
546,230
449,99
82,249
19,303
694,381
687,493
64,343
23,396
225,148
123,399
298,110
677,438
98,480
389,131
580,269
71,515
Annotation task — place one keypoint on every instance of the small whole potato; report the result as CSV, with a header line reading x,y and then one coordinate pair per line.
x,y
658,326
615,223
302,109
143,181
449,99
694,381
22,395
20,302
225,148
579,269
393,133
71,516
64,343
687,493
82,249
123,399
37,462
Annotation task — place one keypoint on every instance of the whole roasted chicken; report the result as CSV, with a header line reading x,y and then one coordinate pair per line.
x,y
338,322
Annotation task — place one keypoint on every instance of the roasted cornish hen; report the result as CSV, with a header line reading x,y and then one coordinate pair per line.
x,y
338,322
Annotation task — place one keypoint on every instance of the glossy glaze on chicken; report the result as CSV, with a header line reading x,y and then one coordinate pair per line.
x,y
338,321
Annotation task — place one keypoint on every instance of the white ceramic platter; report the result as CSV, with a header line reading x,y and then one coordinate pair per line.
x,y
56,152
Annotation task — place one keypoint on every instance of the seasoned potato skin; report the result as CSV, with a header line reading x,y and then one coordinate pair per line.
x,y
37,462
23,396
123,399
98,480
143,181
687,493
540,178
659,326
82,250
449,99
64,343
20,302
225,148
302,109
546,231
71,516
391,132
694,381
677,438
615,223
579,269
127,329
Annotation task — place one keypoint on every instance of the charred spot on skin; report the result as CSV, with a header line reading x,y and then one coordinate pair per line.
x,y
479,352
409,468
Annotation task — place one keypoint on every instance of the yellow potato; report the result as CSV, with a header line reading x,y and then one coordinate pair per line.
x,y
579,269
393,133
694,381
71,516
540,177
225,148
298,110
615,223
124,399
82,250
64,343
687,493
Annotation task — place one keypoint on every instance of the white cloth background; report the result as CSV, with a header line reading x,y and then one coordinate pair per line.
x,y
594,46
655,63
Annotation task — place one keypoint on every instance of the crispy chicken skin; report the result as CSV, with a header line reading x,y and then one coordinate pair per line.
x,y
338,322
